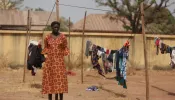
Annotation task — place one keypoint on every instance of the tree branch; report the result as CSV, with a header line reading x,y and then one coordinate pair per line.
x,y
138,17
166,3
149,6
170,4
160,5
128,6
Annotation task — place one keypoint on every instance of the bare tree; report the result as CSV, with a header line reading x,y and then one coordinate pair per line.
x,y
10,4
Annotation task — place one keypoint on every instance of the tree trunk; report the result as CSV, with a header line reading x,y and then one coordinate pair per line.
x,y
4,4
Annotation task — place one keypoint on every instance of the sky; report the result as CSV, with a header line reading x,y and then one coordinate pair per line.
x,y
75,14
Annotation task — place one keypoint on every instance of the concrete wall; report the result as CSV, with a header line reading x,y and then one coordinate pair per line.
x,y
12,46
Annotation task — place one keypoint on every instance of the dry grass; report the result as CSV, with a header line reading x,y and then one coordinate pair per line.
x,y
74,63
111,92
132,67
162,68
15,66
37,86
4,63
131,71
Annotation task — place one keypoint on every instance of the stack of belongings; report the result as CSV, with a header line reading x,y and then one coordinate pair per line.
x,y
112,59
164,49
35,58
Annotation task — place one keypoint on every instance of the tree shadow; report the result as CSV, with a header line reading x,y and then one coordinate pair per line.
x,y
112,92
169,93
108,78
111,78
35,85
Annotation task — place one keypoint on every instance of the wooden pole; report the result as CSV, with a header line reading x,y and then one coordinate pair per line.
x,y
145,53
57,10
69,45
82,48
30,23
27,37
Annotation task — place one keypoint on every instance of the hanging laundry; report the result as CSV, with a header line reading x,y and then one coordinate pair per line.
x,y
121,59
102,49
157,44
111,61
103,56
87,50
94,60
99,53
114,61
35,58
106,66
117,66
109,67
119,76
105,62
126,44
110,57
124,60
107,51
173,58
99,48
164,48
121,68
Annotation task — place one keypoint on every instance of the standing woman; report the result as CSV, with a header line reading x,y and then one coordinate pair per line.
x,y
54,72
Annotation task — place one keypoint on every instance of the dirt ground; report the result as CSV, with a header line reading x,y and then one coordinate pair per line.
x,y
162,86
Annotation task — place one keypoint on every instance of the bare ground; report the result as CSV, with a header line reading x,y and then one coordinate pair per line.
x,y
162,86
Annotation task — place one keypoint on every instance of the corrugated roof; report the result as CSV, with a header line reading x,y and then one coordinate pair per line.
x,y
16,17
13,17
99,23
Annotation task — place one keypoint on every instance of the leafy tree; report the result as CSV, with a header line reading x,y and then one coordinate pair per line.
x,y
34,9
162,22
155,12
64,25
39,9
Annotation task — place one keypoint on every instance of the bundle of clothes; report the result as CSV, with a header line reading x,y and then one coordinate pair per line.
x,y
35,57
164,49
111,59
92,88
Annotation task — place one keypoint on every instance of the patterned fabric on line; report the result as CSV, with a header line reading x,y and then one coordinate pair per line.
x,y
94,60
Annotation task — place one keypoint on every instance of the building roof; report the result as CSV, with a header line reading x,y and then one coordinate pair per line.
x,y
11,18
99,23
